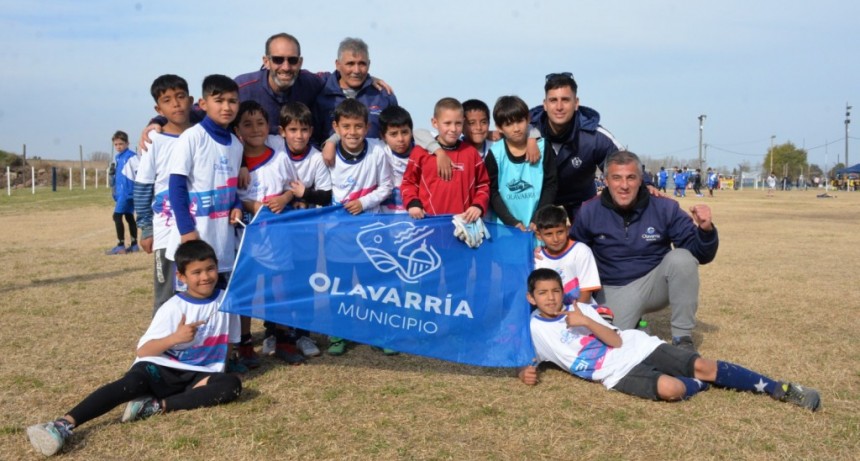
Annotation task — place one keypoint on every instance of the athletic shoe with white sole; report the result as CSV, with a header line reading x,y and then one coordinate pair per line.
x,y
308,347
269,345
49,438
796,394
141,408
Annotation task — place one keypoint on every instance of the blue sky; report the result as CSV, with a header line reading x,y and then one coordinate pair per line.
x,y
74,72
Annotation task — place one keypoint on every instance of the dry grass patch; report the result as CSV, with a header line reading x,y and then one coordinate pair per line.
x,y
780,298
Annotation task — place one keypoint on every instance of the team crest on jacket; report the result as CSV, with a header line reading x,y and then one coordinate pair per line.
x,y
399,247
650,235
576,162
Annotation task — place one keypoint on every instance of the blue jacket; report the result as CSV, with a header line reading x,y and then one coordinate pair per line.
x,y
680,180
254,86
332,95
628,245
123,189
582,149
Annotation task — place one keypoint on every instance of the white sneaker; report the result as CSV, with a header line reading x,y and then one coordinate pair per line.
x,y
268,346
46,438
308,347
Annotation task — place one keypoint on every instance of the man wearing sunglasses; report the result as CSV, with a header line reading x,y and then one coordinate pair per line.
x,y
580,143
280,80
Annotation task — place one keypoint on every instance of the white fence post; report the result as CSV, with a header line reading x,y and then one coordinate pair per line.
x,y
97,178
84,177
70,178
33,179
8,182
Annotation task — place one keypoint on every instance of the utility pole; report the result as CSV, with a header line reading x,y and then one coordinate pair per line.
x,y
701,128
772,137
847,121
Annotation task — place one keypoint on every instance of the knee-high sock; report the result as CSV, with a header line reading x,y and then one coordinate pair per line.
x,y
739,378
694,386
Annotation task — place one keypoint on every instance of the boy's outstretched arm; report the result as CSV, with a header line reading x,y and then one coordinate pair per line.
x,y
575,318
180,202
143,194
425,140
328,149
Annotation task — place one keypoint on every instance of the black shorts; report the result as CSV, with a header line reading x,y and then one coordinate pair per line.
x,y
641,381
166,381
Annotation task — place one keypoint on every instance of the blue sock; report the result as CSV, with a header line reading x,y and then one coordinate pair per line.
x,y
693,385
739,378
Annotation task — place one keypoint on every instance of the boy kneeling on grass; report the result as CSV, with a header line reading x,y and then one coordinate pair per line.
x,y
180,359
577,339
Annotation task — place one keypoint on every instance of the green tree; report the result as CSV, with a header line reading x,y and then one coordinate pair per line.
x,y
815,170
786,158
832,172
9,159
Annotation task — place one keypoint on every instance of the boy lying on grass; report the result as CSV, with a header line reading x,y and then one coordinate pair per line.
x,y
577,339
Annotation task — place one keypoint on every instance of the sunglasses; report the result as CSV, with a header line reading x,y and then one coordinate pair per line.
x,y
560,74
278,60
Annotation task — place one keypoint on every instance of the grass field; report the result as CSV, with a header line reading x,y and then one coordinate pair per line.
x,y
781,297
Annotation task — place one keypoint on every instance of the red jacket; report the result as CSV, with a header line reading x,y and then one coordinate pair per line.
x,y
469,184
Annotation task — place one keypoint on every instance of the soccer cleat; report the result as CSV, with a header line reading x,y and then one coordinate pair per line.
x,y
248,357
289,354
308,346
140,408
235,366
684,342
133,248
337,347
796,394
268,345
117,250
48,438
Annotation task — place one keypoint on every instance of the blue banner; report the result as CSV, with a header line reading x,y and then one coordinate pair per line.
x,y
389,281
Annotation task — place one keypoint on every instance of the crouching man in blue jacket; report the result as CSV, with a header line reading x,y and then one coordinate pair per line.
x,y
647,249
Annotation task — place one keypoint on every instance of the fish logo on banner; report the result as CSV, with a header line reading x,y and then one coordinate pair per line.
x,y
400,247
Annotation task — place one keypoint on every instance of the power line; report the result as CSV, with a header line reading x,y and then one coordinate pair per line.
x,y
711,146
680,150
825,144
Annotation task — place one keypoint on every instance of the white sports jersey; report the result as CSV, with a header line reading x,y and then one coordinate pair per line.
x,y
269,179
576,267
208,351
394,203
153,170
212,170
366,178
578,351
312,171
